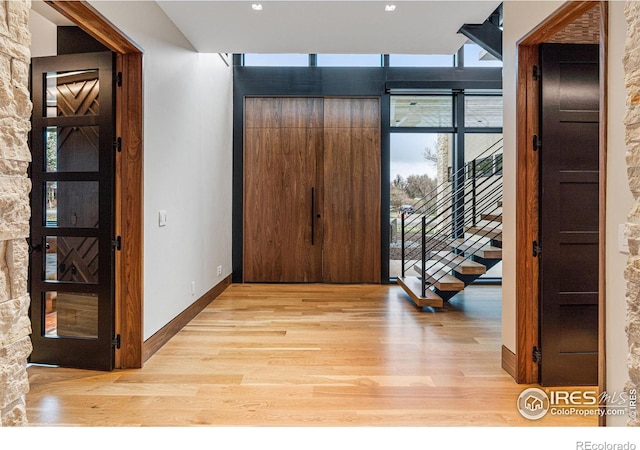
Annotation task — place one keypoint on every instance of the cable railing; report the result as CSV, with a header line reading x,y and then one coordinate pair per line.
x,y
434,261
486,204
422,204
474,200
445,224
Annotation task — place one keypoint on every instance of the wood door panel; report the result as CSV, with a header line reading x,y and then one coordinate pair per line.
x,y
283,112
351,113
280,174
312,190
262,113
569,215
351,247
301,112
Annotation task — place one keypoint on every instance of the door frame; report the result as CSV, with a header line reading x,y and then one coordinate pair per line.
x,y
128,177
527,107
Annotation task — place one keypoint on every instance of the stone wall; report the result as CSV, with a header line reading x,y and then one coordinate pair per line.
x,y
632,124
15,113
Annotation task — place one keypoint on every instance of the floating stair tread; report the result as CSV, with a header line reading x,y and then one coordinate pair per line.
x,y
491,217
439,277
461,264
413,287
490,232
482,250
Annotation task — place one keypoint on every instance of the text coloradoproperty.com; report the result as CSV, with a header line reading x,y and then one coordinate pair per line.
x,y
570,411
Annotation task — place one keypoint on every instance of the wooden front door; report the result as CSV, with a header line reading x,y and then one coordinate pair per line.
x,y
282,189
569,214
72,223
352,191
311,190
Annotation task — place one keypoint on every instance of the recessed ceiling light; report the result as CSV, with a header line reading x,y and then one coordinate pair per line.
x,y
256,6
389,8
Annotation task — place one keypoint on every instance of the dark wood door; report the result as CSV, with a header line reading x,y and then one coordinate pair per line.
x,y
569,214
283,190
312,190
351,252
71,264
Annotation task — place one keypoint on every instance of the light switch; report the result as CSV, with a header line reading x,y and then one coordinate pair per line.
x,y
623,244
162,218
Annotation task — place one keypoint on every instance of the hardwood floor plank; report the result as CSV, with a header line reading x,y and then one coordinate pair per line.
x,y
306,355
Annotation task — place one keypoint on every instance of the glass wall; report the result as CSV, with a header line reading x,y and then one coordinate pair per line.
x,y
421,60
476,56
439,145
433,111
483,111
418,165
433,135
276,59
343,60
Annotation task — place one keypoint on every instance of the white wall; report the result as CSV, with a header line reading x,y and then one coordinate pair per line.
x,y
44,36
619,202
520,17
187,161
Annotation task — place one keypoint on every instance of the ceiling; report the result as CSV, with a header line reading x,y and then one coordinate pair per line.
x,y
328,26
418,27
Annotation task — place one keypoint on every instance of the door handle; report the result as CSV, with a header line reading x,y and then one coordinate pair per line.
x,y
313,222
35,248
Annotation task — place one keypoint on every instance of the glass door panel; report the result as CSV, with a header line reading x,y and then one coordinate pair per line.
x,y
71,267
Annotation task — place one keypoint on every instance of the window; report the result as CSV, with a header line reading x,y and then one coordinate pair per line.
x,y
483,168
421,60
339,60
483,111
497,164
276,59
421,111
418,165
476,56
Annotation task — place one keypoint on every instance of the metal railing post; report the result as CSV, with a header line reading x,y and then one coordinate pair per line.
x,y
403,243
424,255
473,193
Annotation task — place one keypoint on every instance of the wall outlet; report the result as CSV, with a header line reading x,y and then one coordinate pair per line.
x,y
193,288
219,270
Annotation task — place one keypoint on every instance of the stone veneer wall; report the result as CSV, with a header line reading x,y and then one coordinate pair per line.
x,y
15,115
632,124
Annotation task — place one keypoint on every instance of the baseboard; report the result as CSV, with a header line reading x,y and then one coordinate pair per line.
x,y
509,362
162,336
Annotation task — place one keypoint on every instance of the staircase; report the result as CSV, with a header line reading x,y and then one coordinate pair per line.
x,y
454,235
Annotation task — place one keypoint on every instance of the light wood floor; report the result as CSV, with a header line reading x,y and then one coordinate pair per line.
x,y
306,355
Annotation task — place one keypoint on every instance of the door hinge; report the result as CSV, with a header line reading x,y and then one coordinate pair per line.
x,y
117,243
537,143
118,79
537,73
117,144
116,342
537,249
536,355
